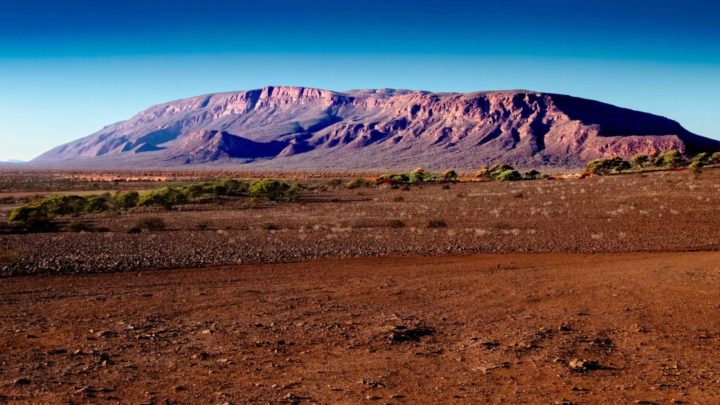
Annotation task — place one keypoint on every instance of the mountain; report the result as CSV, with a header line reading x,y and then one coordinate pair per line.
x,y
297,128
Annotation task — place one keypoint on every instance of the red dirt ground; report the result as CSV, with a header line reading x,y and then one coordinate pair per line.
x,y
498,328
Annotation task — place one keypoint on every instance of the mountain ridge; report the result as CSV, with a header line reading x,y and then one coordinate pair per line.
x,y
302,128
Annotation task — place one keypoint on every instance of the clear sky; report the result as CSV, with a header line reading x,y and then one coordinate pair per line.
x,y
68,68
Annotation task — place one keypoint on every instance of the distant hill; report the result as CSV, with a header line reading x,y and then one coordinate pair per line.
x,y
297,128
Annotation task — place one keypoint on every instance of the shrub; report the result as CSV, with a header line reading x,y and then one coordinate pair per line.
x,y
151,224
640,161
715,158
95,204
436,223
32,218
508,175
450,175
532,175
274,190
607,166
396,223
701,159
235,187
503,172
63,205
125,199
498,168
166,197
417,175
671,159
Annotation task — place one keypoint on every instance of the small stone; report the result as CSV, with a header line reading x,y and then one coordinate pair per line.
x,y
583,365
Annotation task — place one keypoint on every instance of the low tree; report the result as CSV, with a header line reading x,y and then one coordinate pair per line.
x,y
671,159
607,166
125,199
640,161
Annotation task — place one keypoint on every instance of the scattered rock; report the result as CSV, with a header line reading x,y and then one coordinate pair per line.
x,y
583,365
404,334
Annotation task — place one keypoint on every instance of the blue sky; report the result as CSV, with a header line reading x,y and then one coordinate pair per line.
x,y
68,68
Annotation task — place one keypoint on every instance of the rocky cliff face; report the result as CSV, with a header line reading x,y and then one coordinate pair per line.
x,y
296,128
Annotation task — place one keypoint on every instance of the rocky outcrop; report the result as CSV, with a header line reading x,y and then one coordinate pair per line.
x,y
305,129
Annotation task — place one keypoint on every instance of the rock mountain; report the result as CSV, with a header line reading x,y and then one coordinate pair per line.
x,y
297,128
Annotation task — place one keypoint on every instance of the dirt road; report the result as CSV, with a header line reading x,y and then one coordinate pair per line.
x,y
543,328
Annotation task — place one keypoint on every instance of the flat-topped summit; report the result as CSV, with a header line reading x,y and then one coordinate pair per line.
x,y
301,128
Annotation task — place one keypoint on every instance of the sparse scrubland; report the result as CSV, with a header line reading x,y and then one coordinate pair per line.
x,y
595,288
668,160
496,209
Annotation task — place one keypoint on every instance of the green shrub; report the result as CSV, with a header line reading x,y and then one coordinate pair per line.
x,y
25,214
95,204
125,199
509,175
701,159
607,166
235,187
532,175
498,168
417,175
671,159
502,172
715,158
64,205
436,223
151,224
32,218
166,197
274,190
640,161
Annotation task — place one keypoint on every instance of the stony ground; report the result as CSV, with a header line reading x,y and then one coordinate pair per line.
x,y
519,328
667,211
511,301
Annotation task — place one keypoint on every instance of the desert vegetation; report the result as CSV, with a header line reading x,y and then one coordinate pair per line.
x,y
505,172
417,176
669,160
36,215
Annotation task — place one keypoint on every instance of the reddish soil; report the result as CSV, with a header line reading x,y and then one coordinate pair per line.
x,y
663,211
468,329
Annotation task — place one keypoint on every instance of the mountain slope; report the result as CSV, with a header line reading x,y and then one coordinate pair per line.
x,y
296,128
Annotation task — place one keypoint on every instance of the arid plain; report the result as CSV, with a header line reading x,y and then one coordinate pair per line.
x,y
564,290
